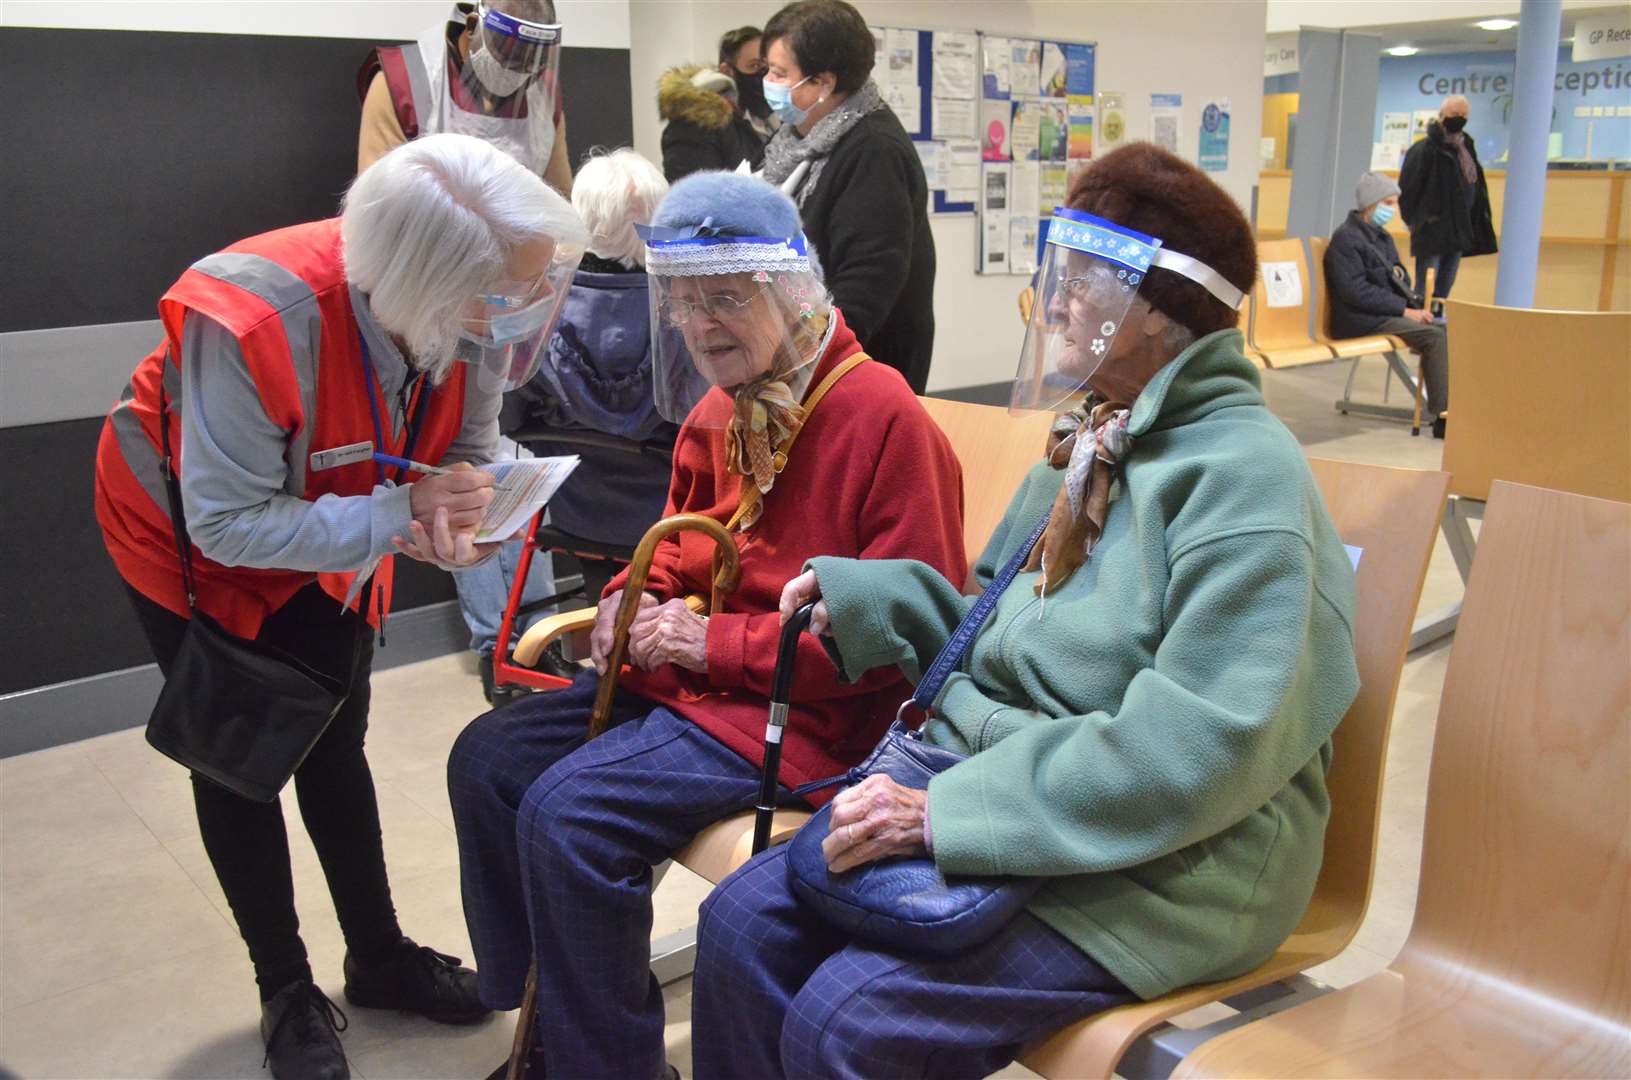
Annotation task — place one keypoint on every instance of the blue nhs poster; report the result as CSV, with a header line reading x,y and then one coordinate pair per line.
x,y
1214,155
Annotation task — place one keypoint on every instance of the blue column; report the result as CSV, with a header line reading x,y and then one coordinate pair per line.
x,y
1540,22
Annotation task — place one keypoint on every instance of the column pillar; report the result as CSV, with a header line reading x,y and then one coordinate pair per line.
x,y
1540,22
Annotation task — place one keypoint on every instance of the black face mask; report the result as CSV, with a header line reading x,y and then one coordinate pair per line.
x,y
750,93
1453,124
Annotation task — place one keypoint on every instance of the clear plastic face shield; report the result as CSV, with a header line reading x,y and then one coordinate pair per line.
x,y
1090,275
506,329
507,53
731,312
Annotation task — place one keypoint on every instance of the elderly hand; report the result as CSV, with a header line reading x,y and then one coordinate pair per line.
x,y
600,639
875,819
1421,315
800,591
669,633
441,546
463,492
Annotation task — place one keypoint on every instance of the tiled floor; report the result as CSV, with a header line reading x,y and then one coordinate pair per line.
x,y
118,957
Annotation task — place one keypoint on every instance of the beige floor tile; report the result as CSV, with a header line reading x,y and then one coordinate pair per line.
x,y
61,931
675,902
59,815
191,1015
1354,964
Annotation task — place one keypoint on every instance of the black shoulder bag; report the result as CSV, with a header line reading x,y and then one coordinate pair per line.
x,y
240,713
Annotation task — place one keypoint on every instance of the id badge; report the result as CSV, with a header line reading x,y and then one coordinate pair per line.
x,y
341,455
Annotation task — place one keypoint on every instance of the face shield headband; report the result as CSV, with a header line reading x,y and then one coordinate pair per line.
x,y
1091,271
729,311
507,54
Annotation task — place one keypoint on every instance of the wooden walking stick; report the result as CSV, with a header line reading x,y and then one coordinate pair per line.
x,y
727,574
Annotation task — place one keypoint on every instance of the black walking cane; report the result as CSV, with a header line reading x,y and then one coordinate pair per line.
x,y
781,689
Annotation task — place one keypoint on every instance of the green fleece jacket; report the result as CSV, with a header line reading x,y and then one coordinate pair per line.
x,y
1154,738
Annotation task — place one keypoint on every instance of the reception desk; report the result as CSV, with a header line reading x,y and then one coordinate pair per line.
x,y
1585,264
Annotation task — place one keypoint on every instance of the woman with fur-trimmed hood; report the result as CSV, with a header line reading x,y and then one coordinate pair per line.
x,y
706,129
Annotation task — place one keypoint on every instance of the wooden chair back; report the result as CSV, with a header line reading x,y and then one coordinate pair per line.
x,y
1281,333
1526,856
1539,398
1518,962
1392,516
1322,298
996,449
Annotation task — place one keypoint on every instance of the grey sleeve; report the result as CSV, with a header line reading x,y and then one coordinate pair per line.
x,y
477,441
234,475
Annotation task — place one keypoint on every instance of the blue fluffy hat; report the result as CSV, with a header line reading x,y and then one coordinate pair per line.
x,y
718,206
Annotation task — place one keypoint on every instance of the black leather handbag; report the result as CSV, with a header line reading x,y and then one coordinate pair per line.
x,y
240,713
906,903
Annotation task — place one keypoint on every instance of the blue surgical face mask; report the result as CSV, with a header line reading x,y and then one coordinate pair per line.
x,y
1382,215
779,96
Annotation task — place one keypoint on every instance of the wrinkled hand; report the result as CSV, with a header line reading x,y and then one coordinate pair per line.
x,y
875,819
464,493
1421,315
669,633
800,591
600,639
440,545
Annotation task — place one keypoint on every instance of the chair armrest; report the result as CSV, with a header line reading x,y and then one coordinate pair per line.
x,y
579,621
541,633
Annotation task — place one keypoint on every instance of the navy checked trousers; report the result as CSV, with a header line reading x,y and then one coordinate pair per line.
x,y
778,992
557,841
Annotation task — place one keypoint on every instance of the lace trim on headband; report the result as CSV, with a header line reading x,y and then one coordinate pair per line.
x,y
706,260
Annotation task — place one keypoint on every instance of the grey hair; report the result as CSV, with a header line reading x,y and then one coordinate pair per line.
x,y
432,224
614,192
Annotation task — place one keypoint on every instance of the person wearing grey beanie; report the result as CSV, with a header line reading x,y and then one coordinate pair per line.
x,y
1371,293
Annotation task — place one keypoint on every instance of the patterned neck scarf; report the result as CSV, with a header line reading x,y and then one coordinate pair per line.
x,y
1469,167
765,414
1089,458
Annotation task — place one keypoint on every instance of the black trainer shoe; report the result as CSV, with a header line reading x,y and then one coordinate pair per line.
x,y
484,668
416,979
299,1026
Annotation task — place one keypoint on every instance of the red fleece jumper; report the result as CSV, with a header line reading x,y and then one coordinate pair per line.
x,y
870,477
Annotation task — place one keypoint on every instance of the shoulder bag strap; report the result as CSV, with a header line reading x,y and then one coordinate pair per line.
x,y
172,491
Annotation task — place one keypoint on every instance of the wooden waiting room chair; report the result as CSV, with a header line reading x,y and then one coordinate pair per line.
x,y
1391,515
1541,398
1519,960
1280,333
1388,347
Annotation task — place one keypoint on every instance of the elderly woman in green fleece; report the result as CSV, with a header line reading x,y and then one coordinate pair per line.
x,y
1146,713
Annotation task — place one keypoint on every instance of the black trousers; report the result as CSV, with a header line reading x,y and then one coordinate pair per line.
x,y
246,840
1433,345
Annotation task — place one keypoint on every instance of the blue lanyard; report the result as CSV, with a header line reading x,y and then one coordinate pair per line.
x,y
951,656
370,386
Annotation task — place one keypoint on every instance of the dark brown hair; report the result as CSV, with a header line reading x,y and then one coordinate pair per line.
x,y
1146,188
825,35
732,41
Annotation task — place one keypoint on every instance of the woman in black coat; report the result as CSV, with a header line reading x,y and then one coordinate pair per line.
x,y
847,162
1445,199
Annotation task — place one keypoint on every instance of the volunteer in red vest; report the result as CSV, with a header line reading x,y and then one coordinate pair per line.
x,y
332,336
491,70
558,838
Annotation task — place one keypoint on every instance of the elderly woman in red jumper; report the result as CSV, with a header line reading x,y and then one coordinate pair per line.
x,y
557,838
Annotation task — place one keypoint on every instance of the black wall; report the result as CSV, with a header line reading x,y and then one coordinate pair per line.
x,y
124,157
130,155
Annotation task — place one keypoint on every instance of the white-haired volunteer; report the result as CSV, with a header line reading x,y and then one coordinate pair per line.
x,y
313,338
557,839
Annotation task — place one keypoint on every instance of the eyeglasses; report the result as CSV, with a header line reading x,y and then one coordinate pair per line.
x,y
718,306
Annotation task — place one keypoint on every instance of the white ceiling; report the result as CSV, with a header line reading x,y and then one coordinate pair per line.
x,y
1432,33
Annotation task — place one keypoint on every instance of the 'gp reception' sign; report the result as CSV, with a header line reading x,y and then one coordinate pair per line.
x,y
1603,36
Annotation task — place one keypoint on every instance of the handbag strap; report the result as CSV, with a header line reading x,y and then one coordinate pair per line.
x,y
951,655
172,491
